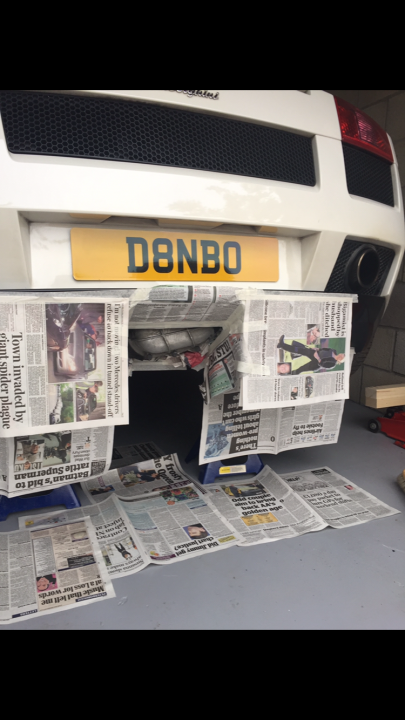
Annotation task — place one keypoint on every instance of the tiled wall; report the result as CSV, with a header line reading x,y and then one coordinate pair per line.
x,y
385,363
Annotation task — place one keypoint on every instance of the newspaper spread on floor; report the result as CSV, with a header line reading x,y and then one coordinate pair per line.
x,y
121,553
337,500
178,523
297,350
62,363
32,463
228,430
136,479
264,509
45,571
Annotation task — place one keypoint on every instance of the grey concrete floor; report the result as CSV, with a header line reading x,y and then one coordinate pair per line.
x,y
336,579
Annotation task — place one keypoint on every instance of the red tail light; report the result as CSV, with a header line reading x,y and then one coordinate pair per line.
x,y
361,130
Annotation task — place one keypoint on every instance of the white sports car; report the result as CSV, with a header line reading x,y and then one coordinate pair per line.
x,y
281,189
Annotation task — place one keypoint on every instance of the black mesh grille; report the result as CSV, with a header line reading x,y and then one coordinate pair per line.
x,y
336,282
368,175
104,129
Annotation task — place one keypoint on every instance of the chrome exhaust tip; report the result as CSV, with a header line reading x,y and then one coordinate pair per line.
x,y
362,270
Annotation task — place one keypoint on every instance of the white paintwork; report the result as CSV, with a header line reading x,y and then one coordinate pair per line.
x,y
322,217
52,264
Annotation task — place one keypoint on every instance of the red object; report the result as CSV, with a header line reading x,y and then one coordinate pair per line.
x,y
361,130
394,427
194,359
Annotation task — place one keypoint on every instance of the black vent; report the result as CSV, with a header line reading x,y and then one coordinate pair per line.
x,y
336,282
137,132
368,176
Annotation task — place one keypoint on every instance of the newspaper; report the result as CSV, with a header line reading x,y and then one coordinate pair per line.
x,y
264,509
228,430
221,373
122,555
178,523
205,305
45,571
32,463
62,363
136,479
337,500
297,350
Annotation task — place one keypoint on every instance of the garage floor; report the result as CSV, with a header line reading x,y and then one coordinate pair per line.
x,y
348,579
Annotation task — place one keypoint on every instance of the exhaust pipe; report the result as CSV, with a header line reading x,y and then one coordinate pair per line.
x,y
362,270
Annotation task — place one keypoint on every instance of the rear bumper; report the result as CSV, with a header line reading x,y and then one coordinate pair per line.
x,y
38,195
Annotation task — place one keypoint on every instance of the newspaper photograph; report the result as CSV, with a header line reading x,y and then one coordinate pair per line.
x,y
62,364
263,509
228,430
297,350
178,523
32,463
205,305
49,570
136,479
122,554
337,500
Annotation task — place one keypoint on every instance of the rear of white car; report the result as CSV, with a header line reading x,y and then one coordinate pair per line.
x,y
243,165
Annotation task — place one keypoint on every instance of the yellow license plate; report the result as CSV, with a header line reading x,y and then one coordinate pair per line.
x,y
160,256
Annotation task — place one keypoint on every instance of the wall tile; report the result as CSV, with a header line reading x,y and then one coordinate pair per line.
x,y
368,97
351,96
399,357
382,349
355,385
395,315
378,112
396,117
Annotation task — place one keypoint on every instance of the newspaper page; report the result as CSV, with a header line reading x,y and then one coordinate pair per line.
x,y
121,552
179,523
297,350
264,509
228,430
45,571
205,305
221,373
33,463
136,479
62,363
337,500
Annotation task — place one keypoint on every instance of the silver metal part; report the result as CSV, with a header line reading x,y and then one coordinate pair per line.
x,y
168,341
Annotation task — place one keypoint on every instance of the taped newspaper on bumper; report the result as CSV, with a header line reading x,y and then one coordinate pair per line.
x,y
63,362
296,350
33,463
228,430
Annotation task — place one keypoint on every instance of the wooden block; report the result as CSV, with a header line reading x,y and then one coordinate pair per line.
x,y
383,396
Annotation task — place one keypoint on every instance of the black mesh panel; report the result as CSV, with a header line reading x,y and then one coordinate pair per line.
x,y
336,282
368,176
98,128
